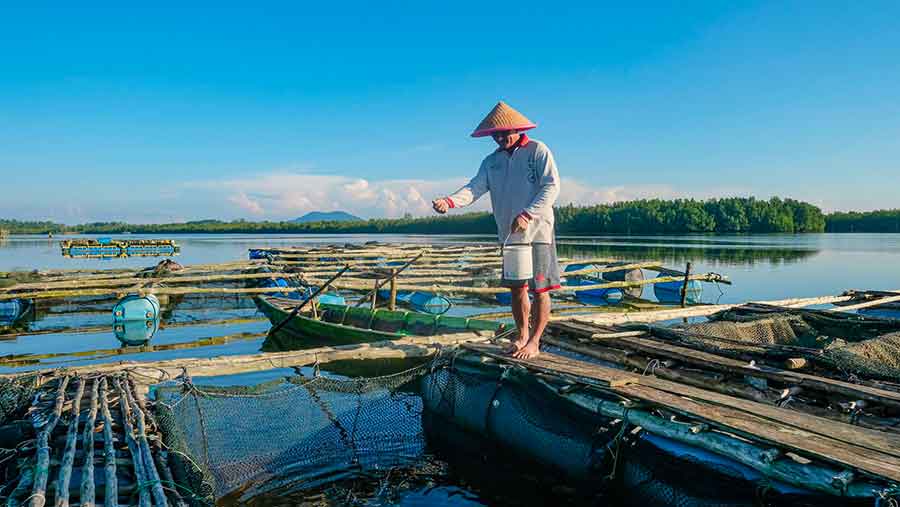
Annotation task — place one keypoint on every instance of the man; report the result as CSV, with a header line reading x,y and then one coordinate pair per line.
x,y
524,184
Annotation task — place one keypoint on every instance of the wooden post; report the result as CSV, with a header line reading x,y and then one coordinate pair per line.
x,y
392,304
684,288
375,294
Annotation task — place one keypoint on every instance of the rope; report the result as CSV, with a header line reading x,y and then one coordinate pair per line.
x,y
617,441
652,366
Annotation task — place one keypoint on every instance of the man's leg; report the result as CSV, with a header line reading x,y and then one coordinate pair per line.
x,y
540,315
521,308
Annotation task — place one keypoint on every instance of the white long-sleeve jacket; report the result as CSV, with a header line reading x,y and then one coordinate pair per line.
x,y
525,181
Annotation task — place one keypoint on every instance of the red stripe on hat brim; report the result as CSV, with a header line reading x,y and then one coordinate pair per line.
x,y
487,132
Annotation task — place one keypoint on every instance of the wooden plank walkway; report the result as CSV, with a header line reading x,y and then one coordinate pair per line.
x,y
874,452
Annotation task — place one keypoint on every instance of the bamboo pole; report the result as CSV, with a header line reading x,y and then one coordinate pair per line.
x,y
87,497
684,285
691,311
138,462
146,373
121,282
156,489
785,470
162,463
111,489
65,469
26,479
456,289
392,303
867,304
42,467
103,329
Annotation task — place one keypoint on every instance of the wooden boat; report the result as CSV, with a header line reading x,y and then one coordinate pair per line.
x,y
341,324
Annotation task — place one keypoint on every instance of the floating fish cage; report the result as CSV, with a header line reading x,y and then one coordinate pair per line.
x,y
770,404
109,248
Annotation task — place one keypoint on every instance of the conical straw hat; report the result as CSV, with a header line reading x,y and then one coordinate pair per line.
x,y
501,118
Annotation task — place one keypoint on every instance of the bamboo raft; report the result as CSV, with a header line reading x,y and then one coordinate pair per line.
x,y
107,248
780,410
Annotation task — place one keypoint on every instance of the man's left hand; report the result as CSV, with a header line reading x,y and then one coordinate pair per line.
x,y
520,223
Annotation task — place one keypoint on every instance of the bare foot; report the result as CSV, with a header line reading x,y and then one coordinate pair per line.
x,y
531,349
517,344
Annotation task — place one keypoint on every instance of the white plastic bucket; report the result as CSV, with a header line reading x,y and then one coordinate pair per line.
x,y
517,262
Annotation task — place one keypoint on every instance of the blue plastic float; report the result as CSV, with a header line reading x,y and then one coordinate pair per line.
x,y
670,292
595,297
12,310
136,332
134,307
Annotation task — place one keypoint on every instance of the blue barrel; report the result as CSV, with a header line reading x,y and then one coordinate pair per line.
x,y
670,292
134,307
596,297
136,332
632,275
11,310
104,241
256,253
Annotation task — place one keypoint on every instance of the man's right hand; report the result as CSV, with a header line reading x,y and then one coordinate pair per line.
x,y
440,205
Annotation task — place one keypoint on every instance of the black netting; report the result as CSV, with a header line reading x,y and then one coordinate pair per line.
x,y
521,415
15,394
653,476
847,344
299,432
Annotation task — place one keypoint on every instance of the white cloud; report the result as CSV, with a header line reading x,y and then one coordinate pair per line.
x,y
282,194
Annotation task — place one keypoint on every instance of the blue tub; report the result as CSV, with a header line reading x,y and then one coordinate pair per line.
x,y
670,292
596,297
134,307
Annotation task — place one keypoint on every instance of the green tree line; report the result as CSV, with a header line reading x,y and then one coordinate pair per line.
x,y
649,216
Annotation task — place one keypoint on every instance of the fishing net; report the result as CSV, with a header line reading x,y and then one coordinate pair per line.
x,y
15,394
516,412
291,433
879,357
851,345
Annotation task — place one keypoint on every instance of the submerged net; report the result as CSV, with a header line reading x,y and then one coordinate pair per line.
x,y
853,346
291,433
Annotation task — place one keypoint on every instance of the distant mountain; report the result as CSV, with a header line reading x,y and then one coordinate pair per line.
x,y
326,216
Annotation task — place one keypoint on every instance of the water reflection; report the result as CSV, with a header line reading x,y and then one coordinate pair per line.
x,y
678,255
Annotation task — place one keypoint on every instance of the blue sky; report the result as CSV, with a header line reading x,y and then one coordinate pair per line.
x,y
110,112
